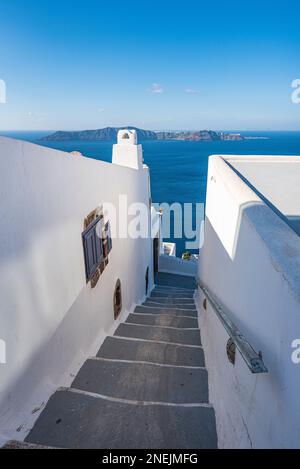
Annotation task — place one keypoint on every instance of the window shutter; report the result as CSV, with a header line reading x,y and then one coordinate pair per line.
x,y
92,246
98,236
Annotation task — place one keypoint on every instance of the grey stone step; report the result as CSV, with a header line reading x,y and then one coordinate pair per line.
x,y
162,320
14,444
155,302
172,301
143,382
76,420
169,295
167,291
154,352
157,309
167,288
175,280
163,334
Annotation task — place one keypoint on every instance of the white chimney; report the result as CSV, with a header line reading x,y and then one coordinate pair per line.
x,y
127,152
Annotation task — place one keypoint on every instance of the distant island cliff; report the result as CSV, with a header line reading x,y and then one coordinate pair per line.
x,y
110,134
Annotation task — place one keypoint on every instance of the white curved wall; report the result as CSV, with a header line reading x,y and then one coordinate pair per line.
x,y
251,262
50,319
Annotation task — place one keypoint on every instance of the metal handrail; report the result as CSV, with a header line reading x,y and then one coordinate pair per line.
x,y
253,360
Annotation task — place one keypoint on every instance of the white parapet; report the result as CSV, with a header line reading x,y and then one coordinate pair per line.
x,y
250,261
127,152
175,265
169,249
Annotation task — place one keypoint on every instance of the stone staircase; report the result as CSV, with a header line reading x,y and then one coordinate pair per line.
x,y
146,388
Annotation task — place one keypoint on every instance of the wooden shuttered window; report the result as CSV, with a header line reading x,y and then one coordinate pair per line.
x,y
93,247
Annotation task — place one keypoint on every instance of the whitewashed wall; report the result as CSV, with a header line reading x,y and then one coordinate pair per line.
x,y
50,318
251,262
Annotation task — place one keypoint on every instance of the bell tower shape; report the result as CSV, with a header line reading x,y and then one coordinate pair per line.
x,y
127,152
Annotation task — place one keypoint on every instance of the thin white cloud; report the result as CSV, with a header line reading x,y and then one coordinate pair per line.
x,y
156,88
191,91
101,109
36,116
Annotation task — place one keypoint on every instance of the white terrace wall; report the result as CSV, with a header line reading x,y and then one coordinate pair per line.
x,y
175,265
50,319
251,262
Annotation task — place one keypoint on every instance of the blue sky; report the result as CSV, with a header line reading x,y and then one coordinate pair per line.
x,y
157,65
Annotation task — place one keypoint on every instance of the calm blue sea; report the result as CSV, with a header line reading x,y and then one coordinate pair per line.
x,y
178,169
